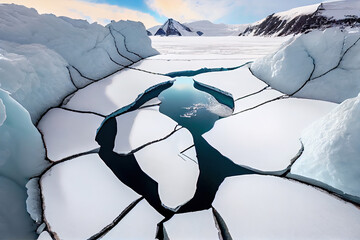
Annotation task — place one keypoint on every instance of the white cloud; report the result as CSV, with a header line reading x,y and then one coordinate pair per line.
x,y
91,11
189,10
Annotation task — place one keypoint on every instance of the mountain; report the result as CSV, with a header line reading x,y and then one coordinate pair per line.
x,y
173,28
198,28
302,19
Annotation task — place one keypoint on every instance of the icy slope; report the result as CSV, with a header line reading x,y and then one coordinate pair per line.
x,y
299,20
332,149
37,53
35,75
321,65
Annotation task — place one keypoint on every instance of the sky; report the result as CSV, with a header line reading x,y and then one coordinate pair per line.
x,y
156,12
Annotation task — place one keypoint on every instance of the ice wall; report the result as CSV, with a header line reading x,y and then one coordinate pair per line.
x,y
21,157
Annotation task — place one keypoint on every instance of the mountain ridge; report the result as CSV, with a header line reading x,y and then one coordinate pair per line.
x,y
196,28
303,19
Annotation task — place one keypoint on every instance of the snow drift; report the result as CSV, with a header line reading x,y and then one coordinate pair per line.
x,y
322,65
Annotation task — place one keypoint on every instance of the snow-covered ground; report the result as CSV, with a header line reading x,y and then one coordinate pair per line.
x,y
216,48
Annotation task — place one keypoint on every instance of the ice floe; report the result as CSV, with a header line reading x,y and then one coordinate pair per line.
x,y
265,207
177,177
192,226
82,196
114,92
68,133
267,137
139,223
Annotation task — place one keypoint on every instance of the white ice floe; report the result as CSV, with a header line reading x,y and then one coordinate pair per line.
x,y
266,138
264,207
151,102
82,196
329,59
161,160
192,226
249,102
114,92
139,127
140,223
239,82
67,133
176,176
332,149
190,154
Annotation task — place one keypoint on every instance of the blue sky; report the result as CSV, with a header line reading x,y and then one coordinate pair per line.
x,y
154,12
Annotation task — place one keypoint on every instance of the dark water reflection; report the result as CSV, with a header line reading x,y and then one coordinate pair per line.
x,y
197,110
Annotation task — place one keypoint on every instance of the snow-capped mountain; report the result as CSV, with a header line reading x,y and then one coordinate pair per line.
x,y
197,28
173,28
301,19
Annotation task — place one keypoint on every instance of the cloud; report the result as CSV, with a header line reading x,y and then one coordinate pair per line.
x,y
189,10
91,11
